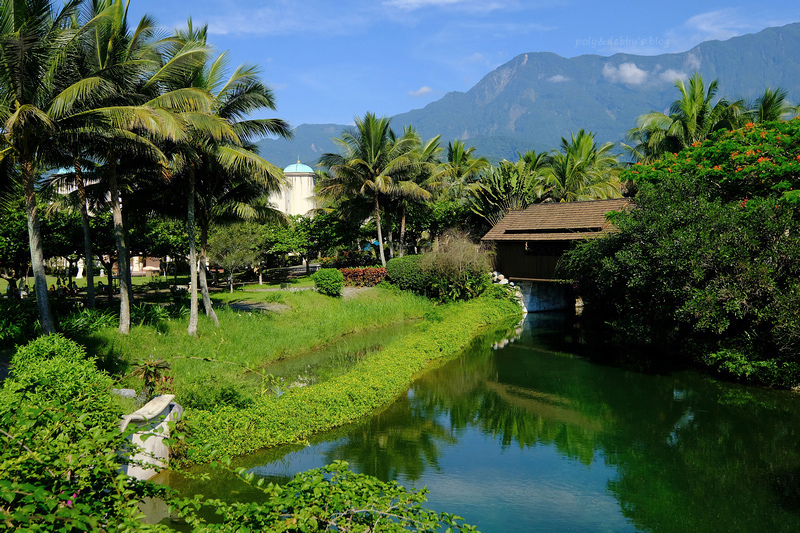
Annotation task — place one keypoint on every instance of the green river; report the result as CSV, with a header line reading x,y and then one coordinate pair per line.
x,y
528,436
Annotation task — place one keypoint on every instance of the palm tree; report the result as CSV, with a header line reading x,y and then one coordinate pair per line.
x,y
417,181
36,98
580,171
371,155
771,105
226,178
461,171
506,187
692,118
147,103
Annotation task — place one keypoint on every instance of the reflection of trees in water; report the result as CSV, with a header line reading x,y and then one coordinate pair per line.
x,y
691,453
402,439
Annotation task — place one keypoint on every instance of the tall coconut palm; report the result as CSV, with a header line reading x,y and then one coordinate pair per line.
x,y
417,181
580,171
146,100
371,156
692,118
226,178
771,105
35,99
461,170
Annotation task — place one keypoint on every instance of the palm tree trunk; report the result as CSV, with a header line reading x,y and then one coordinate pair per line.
x,y
37,254
389,234
87,240
192,258
402,232
203,278
380,233
125,292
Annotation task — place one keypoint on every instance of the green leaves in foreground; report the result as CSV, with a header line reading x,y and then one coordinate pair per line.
x,y
333,498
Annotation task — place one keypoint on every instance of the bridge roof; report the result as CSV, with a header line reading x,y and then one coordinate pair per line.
x,y
557,221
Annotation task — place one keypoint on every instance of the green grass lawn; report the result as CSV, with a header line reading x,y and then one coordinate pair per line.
x,y
229,358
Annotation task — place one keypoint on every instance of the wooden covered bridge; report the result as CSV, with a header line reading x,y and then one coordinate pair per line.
x,y
530,242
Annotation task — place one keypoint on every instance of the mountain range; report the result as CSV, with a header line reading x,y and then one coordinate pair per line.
x,y
537,98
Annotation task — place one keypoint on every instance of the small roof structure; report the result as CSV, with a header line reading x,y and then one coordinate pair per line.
x,y
298,168
557,221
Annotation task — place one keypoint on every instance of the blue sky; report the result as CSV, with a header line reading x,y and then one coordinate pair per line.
x,y
330,60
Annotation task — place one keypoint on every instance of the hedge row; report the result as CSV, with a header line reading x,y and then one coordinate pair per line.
x,y
363,277
374,382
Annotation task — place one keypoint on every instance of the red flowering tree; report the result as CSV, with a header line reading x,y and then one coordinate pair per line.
x,y
708,264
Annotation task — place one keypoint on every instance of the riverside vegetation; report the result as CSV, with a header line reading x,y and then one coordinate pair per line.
x,y
59,432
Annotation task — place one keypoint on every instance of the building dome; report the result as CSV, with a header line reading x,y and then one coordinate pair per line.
x,y
298,168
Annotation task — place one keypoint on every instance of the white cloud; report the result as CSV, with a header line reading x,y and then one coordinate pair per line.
x,y
721,24
558,78
422,91
671,75
693,62
627,73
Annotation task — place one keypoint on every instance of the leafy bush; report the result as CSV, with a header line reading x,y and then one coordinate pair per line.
x,y
54,369
149,314
709,261
500,292
19,321
328,281
210,392
87,320
363,277
459,269
348,259
406,273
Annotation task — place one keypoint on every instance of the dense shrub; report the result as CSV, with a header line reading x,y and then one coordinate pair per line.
x,y
328,281
707,265
363,277
406,273
459,269
54,369
19,321
88,320
210,392
348,259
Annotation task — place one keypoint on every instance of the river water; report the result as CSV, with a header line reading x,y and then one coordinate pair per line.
x,y
528,436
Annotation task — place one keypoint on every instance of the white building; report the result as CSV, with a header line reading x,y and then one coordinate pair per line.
x,y
298,197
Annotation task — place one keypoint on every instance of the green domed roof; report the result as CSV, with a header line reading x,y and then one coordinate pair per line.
x,y
299,168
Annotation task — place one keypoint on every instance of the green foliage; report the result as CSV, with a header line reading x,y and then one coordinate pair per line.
x,y
372,382
328,281
18,321
709,261
500,292
363,277
333,498
211,391
87,320
406,273
54,369
458,270
348,259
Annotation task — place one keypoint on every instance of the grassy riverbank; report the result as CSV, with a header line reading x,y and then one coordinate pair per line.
x,y
221,376
223,364
300,412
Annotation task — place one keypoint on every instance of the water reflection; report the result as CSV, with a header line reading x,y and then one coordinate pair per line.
x,y
530,436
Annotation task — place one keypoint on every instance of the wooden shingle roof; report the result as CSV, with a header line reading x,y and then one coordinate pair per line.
x,y
557,221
